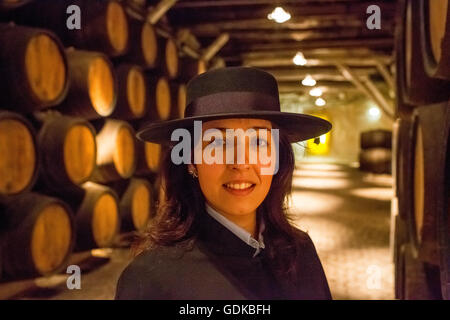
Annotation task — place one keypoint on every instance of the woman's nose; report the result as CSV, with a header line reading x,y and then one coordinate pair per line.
x,y
241,155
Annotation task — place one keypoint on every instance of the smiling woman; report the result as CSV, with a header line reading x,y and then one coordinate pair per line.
x,y
222,232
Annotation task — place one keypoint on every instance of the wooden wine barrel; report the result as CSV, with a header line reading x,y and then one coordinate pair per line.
x,y
132,100
414,85
116,151
376,139
103,23
430,132
159,98
97,217
403,163
190,68
136,205
33,68
444,226
376,160
144,47
1,259
40,235
68,152
436,38
167,59
19,160
93,89
148,158
178,98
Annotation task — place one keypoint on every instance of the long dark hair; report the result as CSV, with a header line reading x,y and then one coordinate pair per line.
x,y
179,215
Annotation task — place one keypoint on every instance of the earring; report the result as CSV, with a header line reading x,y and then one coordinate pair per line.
x,y
193,173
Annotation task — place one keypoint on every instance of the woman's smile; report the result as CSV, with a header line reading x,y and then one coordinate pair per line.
x,y
239,188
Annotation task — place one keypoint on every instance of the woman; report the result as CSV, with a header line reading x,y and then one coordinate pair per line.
x,y
223,231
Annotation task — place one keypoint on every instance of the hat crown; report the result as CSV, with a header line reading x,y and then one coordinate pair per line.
x,y
231,79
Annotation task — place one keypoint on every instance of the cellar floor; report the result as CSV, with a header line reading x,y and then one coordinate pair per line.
x,y
346,213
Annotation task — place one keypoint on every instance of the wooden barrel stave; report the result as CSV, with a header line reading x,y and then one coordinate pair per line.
x,y
159,107
68,152
148,158
136,203
167,62
93,89
40,235
132,100
116,155
97,217
415,86
436,38
190,67
428,172
376,160
104,23
178,99
19,163
34,68
376,139
143,50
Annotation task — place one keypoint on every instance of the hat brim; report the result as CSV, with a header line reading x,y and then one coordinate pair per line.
x,y
298,127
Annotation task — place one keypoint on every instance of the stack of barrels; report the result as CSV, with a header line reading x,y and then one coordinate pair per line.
x,y
422,150
375,155
72,173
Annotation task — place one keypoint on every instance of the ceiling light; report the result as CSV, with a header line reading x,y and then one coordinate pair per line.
x,y
308,81
315,92
299,59
279,15
320,102
374,113
323,138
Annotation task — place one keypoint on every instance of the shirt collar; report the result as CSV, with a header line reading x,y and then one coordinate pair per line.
x,y
238,231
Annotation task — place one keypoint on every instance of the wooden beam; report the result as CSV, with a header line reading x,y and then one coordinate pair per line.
x,y
370,91
311,53
214,47
386,75
317,61
192,15
385,42
161,8
310,34
298,74
296,87
223,3
330,21
384,103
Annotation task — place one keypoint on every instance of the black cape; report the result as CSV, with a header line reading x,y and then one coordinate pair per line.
x,y
219,266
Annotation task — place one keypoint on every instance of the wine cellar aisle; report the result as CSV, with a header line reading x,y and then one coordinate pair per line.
x,y
79,79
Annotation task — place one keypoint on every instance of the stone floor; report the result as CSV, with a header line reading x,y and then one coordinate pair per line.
x,y
346,213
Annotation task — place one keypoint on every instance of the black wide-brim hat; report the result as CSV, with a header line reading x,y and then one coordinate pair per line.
x,y
235,92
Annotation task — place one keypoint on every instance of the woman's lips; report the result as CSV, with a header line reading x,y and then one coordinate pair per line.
x,y
239,189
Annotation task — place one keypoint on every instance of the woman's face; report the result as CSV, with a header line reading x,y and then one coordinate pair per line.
x,y
236,188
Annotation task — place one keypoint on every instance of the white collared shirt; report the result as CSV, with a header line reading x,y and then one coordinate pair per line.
x,y
240,232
